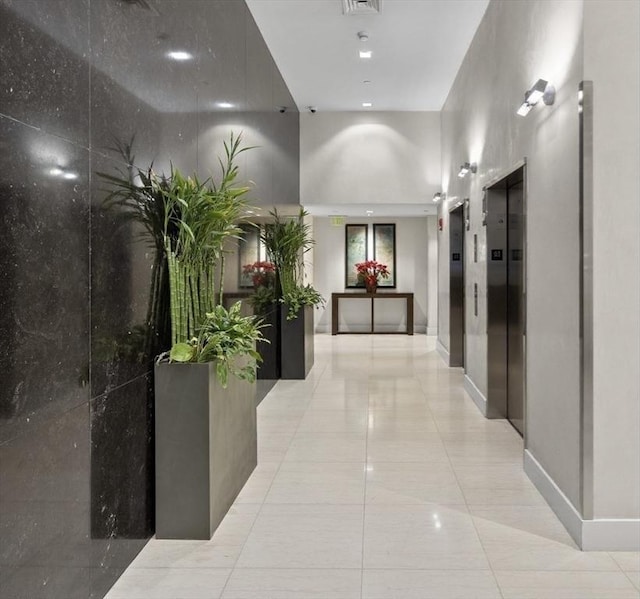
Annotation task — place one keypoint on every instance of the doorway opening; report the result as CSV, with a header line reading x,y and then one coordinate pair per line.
x,y
506,326
456,286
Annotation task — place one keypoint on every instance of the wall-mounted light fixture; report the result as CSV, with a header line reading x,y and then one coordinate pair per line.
x,y
467,168
439,196
541,90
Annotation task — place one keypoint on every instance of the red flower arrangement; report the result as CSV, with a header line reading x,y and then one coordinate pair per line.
x,y
370,272
263,274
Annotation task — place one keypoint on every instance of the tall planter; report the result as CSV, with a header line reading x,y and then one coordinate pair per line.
x,y
296,343
206,447
269,368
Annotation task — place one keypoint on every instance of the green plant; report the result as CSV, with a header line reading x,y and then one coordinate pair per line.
x,y
229,339
286,240
299,297
262,298
199,216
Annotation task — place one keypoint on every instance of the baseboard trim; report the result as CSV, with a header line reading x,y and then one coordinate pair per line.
x,y
476,395
443,351
590,535
432,331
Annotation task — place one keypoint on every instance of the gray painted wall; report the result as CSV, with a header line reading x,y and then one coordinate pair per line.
x,y
413,274
517,43
369,157
563,42
611,61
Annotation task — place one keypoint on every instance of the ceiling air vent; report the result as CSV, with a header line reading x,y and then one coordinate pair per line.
x,y
361,7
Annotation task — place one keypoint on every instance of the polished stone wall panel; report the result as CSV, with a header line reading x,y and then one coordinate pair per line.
x,y
44,83
80,79
44,235
122,502
121,265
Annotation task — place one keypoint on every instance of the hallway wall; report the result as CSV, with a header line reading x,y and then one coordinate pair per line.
x,y
612,37
76,400
414,242
517,43
369,157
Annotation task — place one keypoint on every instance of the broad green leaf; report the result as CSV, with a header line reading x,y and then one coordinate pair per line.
x,y
182,352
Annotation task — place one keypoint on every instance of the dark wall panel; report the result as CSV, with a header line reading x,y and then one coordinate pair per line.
x,y
82,79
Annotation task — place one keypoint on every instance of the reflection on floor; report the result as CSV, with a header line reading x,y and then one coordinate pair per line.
x,y
379,479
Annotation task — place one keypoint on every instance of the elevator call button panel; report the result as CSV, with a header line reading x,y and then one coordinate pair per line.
x,y
496,254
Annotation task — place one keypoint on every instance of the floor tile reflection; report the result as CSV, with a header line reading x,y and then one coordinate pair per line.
x,y
378,478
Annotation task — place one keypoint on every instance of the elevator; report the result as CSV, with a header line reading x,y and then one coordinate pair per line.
x,y
456,286
506,327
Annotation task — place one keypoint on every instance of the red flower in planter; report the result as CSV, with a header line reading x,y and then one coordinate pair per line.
x,y
263,274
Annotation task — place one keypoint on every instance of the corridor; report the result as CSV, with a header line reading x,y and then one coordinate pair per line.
x,y
378,478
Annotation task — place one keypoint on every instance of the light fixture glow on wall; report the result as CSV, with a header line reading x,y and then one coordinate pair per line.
x,y
467,168
56,171
365,53
541,90
179,55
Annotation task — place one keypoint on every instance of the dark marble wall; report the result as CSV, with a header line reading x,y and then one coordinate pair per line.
x,y
76,391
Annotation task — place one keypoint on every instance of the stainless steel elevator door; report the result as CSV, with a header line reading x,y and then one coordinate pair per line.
x,y
505,299
515,306
456,287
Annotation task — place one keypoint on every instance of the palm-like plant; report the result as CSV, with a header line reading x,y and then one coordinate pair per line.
x,y
199,216
287,239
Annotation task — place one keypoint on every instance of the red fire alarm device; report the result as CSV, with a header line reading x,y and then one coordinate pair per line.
x,y
439,224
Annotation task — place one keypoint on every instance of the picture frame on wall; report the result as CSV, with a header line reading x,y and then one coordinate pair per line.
x,y
248,253
356,240
384,250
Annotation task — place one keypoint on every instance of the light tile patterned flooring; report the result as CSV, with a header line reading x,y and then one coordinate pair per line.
x,y
379,479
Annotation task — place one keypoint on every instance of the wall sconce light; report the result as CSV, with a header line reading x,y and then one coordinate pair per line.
x,y
541,90
467,168
438,196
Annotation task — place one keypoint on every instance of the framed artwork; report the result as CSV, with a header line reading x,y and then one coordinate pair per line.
x,y
248,253
355,241
384,251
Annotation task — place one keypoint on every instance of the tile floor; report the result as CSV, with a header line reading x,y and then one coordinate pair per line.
x,y
379,479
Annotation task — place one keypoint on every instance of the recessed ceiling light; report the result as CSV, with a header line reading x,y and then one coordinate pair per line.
x,y
365,53
179,55
70,176
224,105
367,105
56,172
369,212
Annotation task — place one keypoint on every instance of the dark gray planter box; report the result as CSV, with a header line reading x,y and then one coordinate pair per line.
x,y
206,448
269,368
296,343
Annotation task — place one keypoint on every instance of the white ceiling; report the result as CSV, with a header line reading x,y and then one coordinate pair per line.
x,y
417,45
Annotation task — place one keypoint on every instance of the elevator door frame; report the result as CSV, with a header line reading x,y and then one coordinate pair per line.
x,y
496,350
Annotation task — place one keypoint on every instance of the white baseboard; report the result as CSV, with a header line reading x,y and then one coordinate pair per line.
x,y
432,331
478,398
590,535
443,351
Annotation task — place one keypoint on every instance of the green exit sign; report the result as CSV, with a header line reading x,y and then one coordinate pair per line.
x,y
337,221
